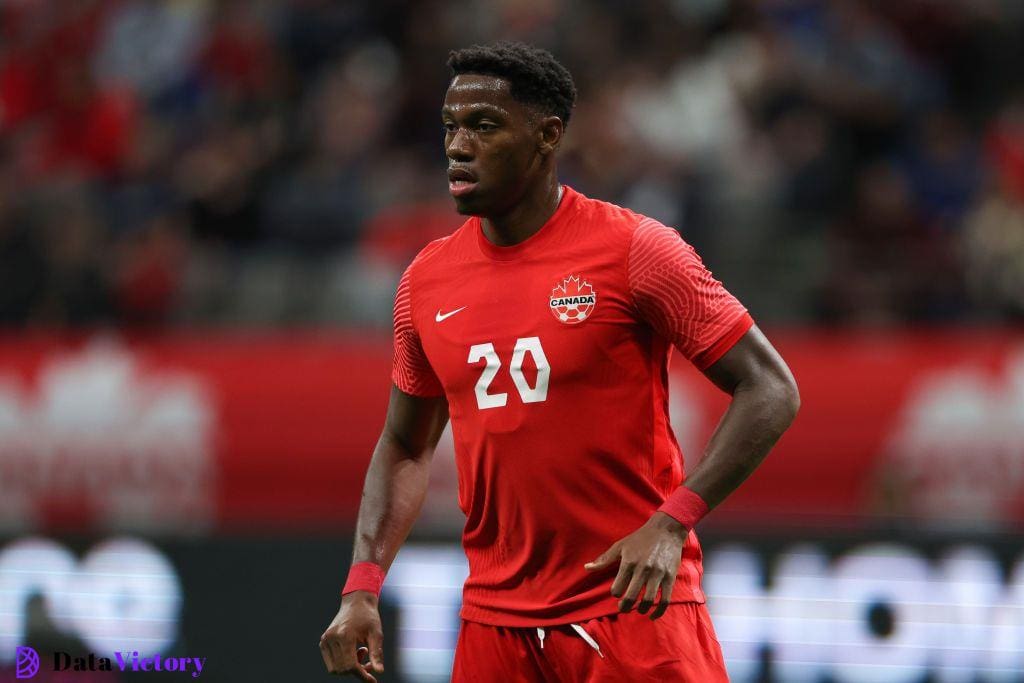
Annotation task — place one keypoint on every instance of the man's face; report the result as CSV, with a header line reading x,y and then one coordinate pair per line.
x,y
492,143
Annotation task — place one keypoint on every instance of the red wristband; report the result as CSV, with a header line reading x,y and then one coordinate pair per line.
x,y
685,506
364,576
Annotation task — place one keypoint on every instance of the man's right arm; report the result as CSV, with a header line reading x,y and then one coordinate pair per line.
x,y
393,493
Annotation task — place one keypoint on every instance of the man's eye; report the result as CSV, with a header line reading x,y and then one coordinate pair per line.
x,y
483,126
449,127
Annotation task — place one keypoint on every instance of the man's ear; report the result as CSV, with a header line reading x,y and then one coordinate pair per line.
x,y
550,134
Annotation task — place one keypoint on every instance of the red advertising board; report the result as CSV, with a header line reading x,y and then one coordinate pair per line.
x,y
190,433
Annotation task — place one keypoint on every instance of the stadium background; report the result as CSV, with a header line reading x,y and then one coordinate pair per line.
x,y
204,210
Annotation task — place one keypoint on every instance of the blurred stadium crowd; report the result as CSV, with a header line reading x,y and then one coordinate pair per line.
x,y
247,162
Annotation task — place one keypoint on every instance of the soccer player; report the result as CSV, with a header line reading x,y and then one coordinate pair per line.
x,y
542,328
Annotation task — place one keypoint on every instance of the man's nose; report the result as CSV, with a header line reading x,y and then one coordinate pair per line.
x,y
460,147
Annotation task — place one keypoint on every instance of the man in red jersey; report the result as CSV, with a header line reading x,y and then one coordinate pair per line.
x,y
543,328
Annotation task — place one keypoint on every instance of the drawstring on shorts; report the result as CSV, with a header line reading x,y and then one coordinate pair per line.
x,y
582,633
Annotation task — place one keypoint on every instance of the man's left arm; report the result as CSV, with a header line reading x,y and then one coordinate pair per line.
x,y
764,403
678,297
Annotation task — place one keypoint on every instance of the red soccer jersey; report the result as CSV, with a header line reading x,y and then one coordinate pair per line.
x,y
553,355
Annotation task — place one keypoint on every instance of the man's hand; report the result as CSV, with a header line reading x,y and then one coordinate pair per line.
x,y
355,631
650,558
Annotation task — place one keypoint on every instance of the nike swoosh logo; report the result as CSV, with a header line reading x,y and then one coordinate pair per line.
x,y
440,317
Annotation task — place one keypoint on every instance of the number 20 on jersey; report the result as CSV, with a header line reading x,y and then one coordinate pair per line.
x,y
528,394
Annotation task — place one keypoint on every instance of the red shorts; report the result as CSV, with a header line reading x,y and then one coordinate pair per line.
x,y
679,646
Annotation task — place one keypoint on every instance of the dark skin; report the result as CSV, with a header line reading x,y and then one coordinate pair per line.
x,y
504,153
509,148
393,494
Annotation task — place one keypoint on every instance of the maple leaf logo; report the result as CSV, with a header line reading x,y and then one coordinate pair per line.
x,y
573,300
572,287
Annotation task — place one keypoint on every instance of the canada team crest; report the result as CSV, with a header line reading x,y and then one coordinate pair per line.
x,y
573,301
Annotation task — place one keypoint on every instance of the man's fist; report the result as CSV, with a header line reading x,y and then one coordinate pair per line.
x,y
355,633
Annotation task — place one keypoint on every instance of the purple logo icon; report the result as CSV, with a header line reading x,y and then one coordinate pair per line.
x,y
27,662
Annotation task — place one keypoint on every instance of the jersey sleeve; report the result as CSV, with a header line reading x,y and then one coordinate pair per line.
x,y
411,371
678,297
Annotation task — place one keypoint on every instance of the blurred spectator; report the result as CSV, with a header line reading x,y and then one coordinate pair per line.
x,y
995,254
205,161
150,46
73,249
1006,147
148,270
943,167
322,198
89,129
221,179
413,214
889,264
239,60
22,275
994,232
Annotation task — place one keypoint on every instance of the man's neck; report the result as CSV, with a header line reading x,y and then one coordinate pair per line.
x,y
525,219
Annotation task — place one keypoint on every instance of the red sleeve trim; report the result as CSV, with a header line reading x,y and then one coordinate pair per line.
x,y
410,370
412,390
714,353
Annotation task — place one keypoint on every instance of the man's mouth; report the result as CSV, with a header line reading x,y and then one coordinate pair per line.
x,y
460,182
457,188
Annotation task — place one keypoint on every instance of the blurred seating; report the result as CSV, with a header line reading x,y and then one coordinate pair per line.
x,y
169,163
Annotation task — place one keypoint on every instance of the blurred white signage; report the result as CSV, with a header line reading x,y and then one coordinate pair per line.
x,y
880,613
102,440
124,594
957,449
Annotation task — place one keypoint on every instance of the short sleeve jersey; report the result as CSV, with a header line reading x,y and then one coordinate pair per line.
x,y
553,357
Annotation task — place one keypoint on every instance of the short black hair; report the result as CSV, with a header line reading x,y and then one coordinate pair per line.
x,y
535,77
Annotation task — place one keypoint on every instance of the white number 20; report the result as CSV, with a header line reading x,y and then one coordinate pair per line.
x,y
528,394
